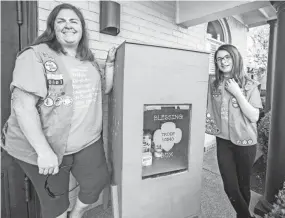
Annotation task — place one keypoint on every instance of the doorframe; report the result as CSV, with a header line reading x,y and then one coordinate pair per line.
x,y
29,28
28,33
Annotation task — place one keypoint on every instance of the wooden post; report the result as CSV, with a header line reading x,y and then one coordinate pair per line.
x,y
271,63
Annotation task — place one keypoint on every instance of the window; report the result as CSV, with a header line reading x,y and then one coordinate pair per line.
x,y
215,31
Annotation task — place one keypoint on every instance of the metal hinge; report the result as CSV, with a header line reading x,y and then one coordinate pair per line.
x,y
19,12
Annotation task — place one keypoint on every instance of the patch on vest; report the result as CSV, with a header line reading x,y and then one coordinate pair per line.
x,y
50,66
63,100
58,101
216,92
211,127
55,79
245,142
48,102
67,101
234,102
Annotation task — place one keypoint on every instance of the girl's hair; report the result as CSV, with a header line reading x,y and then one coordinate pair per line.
x,y
237,71
48,37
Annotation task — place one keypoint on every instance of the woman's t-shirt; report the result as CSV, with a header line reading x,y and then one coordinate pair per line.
x,y
86,125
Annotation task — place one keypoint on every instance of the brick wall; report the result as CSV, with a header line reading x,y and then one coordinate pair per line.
x,y
141,21
145,22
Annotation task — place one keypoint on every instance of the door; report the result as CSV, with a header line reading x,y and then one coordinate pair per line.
x,y
18,29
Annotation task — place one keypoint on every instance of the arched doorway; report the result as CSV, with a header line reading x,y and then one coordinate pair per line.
x,y
218,33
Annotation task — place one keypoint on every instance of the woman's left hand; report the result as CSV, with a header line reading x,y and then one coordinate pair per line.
x,y
232,87
111,55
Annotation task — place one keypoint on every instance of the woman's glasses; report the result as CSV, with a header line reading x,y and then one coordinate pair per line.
x,y
225,58
48,190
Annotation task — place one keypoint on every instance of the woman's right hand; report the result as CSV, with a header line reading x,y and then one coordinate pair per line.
x,y
48,163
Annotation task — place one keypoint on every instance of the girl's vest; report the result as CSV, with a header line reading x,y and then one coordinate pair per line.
x,y
55,110
241,130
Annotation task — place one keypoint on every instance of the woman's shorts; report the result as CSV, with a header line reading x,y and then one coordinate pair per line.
x,y
89,168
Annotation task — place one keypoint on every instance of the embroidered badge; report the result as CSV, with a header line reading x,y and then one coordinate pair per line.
x,y
216,92
244,142
58,101
50,66
250,141
211,127
48,102
55,79
67,101
234,102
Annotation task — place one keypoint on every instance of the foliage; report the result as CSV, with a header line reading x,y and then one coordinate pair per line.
x,y
257,53
278,210
263,129
262,111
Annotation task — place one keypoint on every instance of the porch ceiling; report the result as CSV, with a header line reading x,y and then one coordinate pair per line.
x,y
250,13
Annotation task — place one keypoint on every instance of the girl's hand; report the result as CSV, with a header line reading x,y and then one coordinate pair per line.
x,y
232,87
111,55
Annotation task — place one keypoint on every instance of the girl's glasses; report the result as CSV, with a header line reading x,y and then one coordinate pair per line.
x,y
48,190
225,58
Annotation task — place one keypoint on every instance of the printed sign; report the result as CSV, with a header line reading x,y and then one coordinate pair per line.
x,y
168,127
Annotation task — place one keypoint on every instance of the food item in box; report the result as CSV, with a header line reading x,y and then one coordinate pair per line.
x,y
147,159
157,150
146,149
146,142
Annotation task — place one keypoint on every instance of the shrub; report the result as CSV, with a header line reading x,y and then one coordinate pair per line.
x,y
263,134
278,210
262,111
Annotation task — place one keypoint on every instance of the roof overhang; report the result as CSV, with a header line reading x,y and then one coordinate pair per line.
x,y
250,13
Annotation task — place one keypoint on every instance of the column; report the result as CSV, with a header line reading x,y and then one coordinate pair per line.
x,y
271,63
275,173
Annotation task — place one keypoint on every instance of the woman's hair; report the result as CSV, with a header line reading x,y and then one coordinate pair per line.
x,y
48,37
237,71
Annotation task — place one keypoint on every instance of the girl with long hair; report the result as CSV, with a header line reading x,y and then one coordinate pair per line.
x,y
232,112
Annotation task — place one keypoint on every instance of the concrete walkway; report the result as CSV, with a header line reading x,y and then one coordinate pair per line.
x,y
214,202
